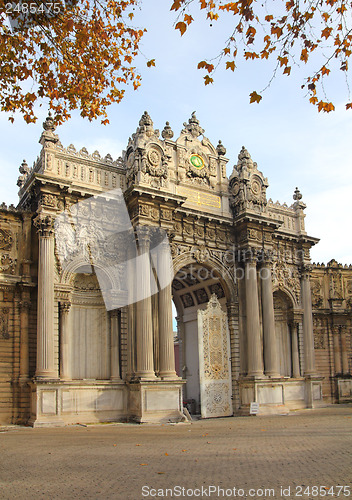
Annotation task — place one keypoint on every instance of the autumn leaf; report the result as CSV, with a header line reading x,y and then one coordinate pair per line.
x,y
205,65
188,19
208,80
151,63
230,65
181,26
254,97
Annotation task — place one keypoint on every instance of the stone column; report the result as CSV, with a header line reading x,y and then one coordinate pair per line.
x,y
271,362
337,353
24,321
144,331
345,367
115,345
308,338
255,356
296,372
155,316
65,351
166,336
46,368
131,309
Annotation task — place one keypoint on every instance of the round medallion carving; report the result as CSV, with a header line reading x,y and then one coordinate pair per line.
x,y
154,157
256,188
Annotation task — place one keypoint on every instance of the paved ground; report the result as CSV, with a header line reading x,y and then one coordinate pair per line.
x,y
252,454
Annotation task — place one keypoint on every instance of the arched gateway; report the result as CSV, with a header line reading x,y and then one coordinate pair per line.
x,y
102,249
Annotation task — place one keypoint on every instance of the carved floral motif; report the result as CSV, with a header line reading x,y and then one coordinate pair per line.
x,y
6,239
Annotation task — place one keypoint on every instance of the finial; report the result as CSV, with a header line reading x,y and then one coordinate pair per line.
x,y
146,120
297,195
244,154
49,123
220,148
24,168
167,132
193,126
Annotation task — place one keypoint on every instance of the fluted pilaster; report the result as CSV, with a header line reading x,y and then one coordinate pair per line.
x,y
337,351
115,345
65,351
24,322
296,372
308,338
344,352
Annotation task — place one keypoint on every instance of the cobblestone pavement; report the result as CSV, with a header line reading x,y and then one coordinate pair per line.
x,y
256,455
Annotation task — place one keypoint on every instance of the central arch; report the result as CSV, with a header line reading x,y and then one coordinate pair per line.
x,y
193,286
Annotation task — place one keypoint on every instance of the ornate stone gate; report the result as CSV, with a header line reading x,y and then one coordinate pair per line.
x,y
91,259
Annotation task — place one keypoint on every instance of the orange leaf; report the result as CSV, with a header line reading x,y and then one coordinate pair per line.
x,y
287,70
205,65
349,105
151,63
188,19
230,65
182,27
208,79
254,97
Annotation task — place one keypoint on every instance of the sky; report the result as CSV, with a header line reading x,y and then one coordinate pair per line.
x,y
292,143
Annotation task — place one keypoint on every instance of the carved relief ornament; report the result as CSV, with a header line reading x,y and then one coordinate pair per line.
x,y
6,239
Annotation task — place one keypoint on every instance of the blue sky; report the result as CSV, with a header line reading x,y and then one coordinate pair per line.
x,y
292,143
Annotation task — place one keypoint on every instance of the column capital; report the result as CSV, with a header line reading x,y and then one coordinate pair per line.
x,y
250,255
143,237
265,257
45,225
25,305
305,270
64,306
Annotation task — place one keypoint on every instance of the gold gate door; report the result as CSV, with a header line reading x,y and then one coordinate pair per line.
x,y
214,361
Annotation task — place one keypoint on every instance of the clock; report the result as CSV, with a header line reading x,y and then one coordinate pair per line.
x,y
196,161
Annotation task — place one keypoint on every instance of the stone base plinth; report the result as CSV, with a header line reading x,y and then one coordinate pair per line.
x,y
279,395
55,403
155,401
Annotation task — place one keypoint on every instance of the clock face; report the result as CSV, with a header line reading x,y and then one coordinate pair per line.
x,y
196,161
